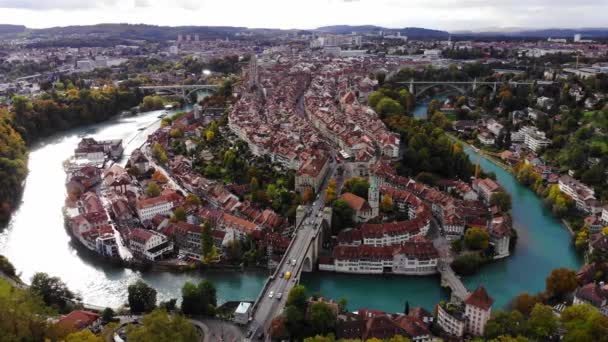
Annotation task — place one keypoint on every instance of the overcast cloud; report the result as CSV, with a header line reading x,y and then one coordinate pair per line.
x,y
439,14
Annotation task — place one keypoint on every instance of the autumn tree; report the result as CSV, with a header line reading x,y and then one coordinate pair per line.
x,y
193,199
159,177
152,190
476,238
561,281
159,326
524,303
307,196
331,191
386,205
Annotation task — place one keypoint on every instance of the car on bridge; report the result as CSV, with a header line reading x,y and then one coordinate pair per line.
x,y
271,294
287,275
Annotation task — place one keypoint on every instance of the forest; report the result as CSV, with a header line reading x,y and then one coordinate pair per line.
x,y
28,120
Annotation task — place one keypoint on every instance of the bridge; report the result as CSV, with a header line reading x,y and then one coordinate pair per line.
x,y
183,90
451,280
418,88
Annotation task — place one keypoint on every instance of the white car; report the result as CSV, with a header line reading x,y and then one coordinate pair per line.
x,y
293,262
271,294
279,295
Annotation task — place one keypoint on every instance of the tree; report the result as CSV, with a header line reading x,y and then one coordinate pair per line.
x,y
207,242
476,238
159,177
152,190
438,119
386,205
502,200
53,291
388,107
297,297
322,318
180,214
159,153
342,216
142,298
169,305
193,199
524,303
561,281
583,322
107,315
294,320
342,304
374,98
7,267
433,107
159,326
307,196
357,185
331,191
83,336
151,103
542,323
199,299
504,323
23,314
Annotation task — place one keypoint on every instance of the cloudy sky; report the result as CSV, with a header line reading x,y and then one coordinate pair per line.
x,y
439,14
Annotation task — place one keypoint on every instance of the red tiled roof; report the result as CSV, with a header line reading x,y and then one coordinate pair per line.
x,y
355,202
78,319
480,298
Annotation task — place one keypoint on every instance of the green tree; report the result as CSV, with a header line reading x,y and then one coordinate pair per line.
x,y
107,315
504,323
83,336
374,98
207,238
151,103
322,318
297,297
294,320
476,238
440,120
53,291
142,298
199,299
180,214
23,314
152,190
193,199
502,200
342,216
357,185
584,323
343,304
159,153
159,326
433,107
542,323
388,107
561,281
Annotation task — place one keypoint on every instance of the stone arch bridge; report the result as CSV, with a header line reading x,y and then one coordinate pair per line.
x,y
185,90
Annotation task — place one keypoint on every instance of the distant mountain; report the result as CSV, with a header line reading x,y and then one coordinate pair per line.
x,y
588,33
9,29
412,32
138,31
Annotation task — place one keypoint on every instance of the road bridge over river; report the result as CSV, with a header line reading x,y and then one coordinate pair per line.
x,y
418,88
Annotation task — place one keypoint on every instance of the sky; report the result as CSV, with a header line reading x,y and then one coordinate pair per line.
x,y
451,15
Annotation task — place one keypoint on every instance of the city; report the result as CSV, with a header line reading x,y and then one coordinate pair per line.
x,y
335,183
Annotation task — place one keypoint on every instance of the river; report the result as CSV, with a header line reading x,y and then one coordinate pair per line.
x,y
36,241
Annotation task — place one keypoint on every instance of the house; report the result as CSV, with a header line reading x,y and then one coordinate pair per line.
x,y
160,205
486,138
500,237
311,173
578,191
79,320
242,313
362,209
593,294
485,187
478,308
470,316
148,244
139,161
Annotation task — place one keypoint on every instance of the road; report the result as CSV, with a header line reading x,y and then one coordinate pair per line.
x,y
271,306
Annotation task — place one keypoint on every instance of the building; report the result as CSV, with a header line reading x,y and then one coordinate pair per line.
x,y
468,317
79,320
148,244
485,188
411,258
150,207
362,211
242,313
311,173
500,237
578,191
593,294
478,308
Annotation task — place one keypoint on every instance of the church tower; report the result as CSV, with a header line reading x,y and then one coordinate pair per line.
x,y
373,195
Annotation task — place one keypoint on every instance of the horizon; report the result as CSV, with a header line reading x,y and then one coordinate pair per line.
x,y
445,15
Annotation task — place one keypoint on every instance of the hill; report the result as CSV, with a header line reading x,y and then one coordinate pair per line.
x,y
412,32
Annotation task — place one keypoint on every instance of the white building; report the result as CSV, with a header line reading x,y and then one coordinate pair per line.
x,y
478,308
242,312
578,191
149,244
150,207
